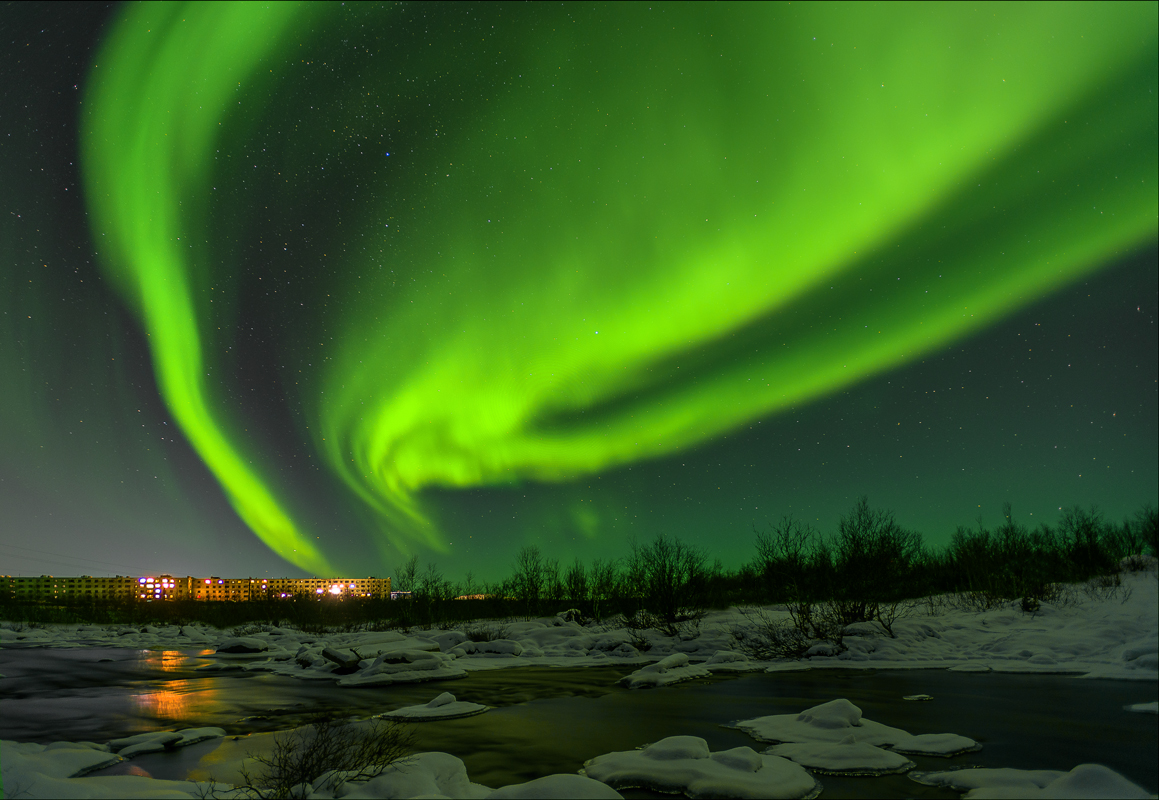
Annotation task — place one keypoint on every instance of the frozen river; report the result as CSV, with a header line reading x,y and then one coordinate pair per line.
x,y
549,720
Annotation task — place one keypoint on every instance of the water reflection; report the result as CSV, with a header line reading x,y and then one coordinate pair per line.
x,y
178,702
166,660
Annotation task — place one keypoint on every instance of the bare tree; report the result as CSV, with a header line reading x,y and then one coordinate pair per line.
x,y
602,586
671,578
406,576
576,582
528,580
783,558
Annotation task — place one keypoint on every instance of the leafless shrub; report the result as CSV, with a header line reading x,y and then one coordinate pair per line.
x,y
636,624
936,604
764,638
250,629
887,614
978,600
1106,587
825,620
302,756
485,633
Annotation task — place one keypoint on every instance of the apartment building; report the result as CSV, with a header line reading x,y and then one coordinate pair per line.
x,y
281,588
50,587
168,587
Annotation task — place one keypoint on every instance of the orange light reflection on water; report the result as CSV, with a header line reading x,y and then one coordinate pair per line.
x,y
165,660
175,700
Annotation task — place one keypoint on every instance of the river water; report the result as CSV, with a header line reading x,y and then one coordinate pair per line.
x,y
548,720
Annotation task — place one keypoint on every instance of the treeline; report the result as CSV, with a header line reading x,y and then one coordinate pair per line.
x,y
860,572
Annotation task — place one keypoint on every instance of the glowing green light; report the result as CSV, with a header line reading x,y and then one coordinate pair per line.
x,y
657,224
652,258
161,89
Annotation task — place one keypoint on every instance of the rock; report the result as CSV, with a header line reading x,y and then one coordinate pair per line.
x,y
243,644
499,648
345,659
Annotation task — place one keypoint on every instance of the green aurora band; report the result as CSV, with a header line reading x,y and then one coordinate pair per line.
x,y
629,230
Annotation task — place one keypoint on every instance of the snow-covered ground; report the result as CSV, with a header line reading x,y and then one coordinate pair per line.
x,y
1088,636
1115,637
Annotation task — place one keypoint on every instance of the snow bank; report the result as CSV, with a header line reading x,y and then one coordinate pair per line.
x,y
1085,780
445,706
683,764
56,770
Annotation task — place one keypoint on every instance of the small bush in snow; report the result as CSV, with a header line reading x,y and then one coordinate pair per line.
x,y
485,633
302,756
764,638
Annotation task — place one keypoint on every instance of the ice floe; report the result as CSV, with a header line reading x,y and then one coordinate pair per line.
x,y
684,764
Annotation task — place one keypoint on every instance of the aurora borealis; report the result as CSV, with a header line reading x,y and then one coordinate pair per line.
x,y
448,279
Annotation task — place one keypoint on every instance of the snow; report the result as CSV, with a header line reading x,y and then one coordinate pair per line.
x,y
445,706
556,786
1085,634
683,764
67,759
847,757
665,672
1085,780
156,741
835,738
1113,637
498,648
424,775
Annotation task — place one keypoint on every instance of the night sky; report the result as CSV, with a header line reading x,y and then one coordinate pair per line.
x,y
310,289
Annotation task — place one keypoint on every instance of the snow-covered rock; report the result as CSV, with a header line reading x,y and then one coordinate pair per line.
x,y
405,666
59,759
1085,780
730,661
243,644
423,775
553,787
345,659
497,648
671,669
839,721
847,757
445,706
683,764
